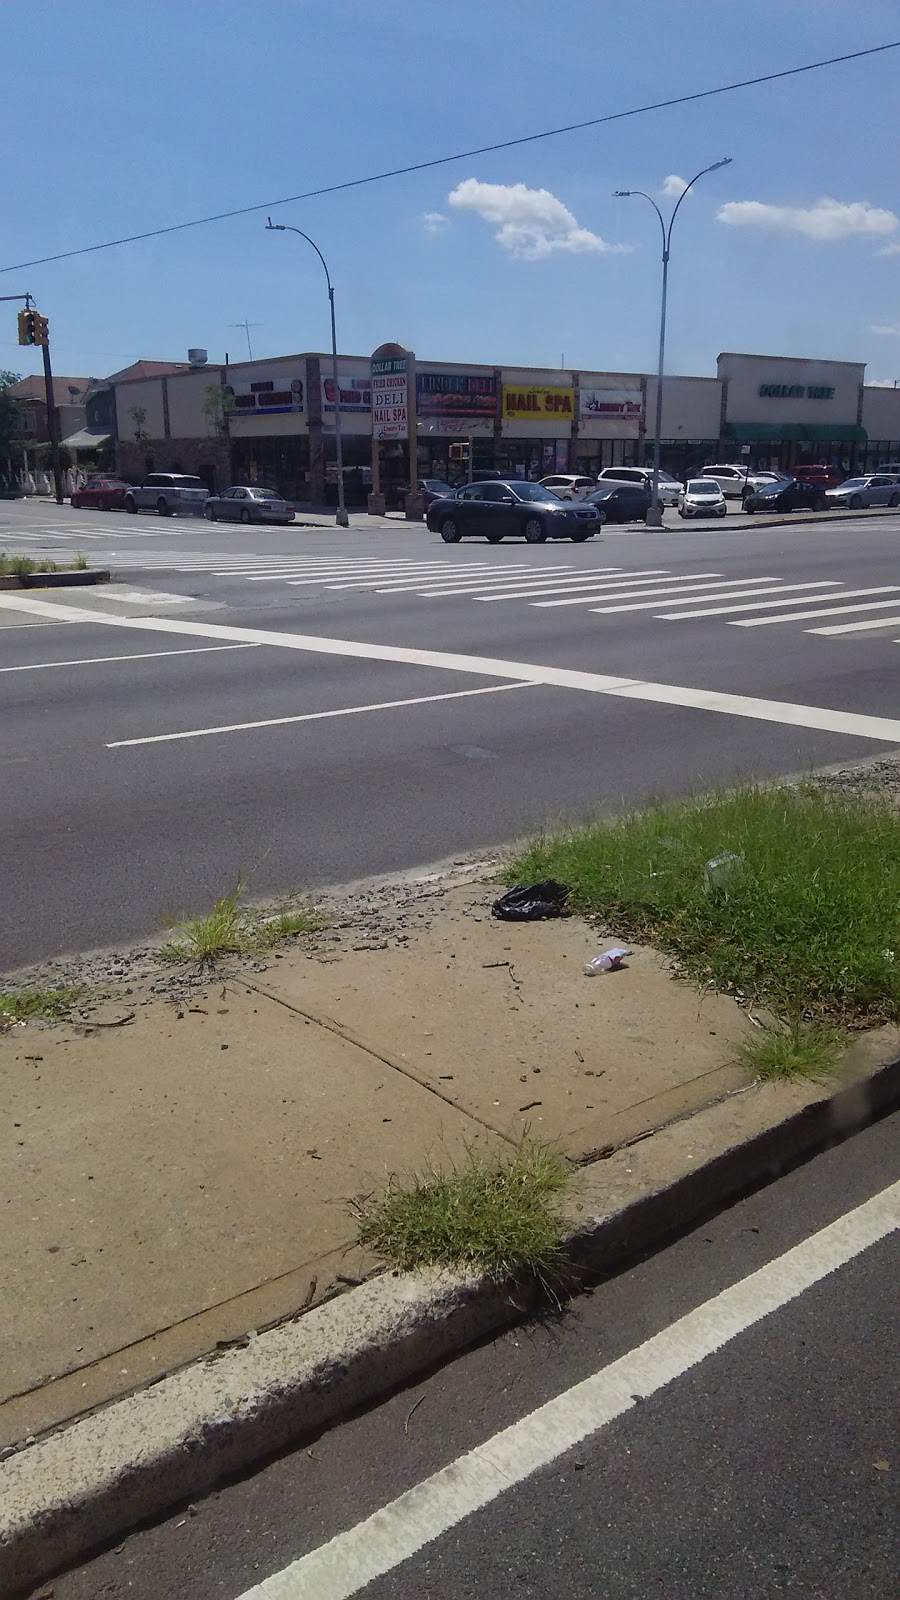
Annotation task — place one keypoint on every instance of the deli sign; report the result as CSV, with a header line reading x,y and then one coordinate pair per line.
x,y
796,391
389,409
537,403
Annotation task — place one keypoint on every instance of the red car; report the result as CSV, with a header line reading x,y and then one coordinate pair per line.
x,y
103,494
823,477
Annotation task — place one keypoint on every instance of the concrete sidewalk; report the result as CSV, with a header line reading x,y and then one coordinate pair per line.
x,y
178,1165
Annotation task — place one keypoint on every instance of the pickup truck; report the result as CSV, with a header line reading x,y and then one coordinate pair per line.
x,y
167,493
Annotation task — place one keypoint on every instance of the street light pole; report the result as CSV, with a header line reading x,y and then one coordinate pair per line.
x,y
342,520
654,515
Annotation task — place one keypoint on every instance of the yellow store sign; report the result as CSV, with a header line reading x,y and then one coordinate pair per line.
x,y
537,403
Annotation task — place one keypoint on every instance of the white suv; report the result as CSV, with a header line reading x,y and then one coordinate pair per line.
x,y
732,480
669,487
168,493
569,485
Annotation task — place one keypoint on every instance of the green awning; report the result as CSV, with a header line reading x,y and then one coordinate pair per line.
x,y
796,432
825,432
764,432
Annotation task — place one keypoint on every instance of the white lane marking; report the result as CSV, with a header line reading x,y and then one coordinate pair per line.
x,y
144,596
855,627
343,569
354,1558
149,655
798,600
858,724
686,586
515,572
740,588
525,585
317,716
420,578
826,611
635,583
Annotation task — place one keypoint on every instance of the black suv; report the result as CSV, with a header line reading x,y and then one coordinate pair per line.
x,y
511,508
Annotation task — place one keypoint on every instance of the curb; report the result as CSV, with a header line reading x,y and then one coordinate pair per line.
x,y
74,1491
52,580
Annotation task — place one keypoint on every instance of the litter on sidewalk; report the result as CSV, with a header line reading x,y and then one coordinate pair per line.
x,y
533,902
607,961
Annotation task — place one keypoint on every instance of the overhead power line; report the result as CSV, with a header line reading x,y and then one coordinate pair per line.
x,y
460,155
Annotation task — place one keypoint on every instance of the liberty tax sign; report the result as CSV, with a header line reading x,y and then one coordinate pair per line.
x,y
389,396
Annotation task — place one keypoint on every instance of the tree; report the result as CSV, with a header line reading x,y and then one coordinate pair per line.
x,y
217,409
9,415
138,415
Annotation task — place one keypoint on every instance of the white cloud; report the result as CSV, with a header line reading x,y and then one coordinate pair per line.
x,y
434,222
880,383
530,223
885,327
889,249
673,186
827,219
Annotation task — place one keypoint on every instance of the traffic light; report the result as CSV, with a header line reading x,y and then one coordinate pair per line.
x,y
458,452
41,329
26,327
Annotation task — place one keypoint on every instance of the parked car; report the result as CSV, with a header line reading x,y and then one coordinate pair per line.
x,y
786,495
878,489
621,502
824,477
732,479
569,485
669,487
104,494
701,497
507,508
248,503
168,493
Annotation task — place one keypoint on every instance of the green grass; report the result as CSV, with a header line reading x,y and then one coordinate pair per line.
x,y
80,564
807,926
796,1050
495,1214
22,1005
22,566
231,929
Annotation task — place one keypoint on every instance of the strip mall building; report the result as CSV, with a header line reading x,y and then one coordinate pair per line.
x,y
276,425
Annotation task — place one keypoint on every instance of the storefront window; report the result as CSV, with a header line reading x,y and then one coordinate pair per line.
x,y
279,464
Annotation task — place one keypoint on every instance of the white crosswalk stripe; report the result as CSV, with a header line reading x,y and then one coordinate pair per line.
x,y
545,583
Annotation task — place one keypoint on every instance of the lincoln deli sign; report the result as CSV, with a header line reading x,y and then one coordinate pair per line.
x,y
796,391
537,403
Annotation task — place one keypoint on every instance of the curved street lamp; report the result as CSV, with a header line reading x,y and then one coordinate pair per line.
x,y
342,520
654,515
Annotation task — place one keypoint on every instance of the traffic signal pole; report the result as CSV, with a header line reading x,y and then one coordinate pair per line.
x,y
52,425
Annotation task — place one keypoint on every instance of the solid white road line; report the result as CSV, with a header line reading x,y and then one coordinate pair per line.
x,y
149,655
827,611
739,589
855,627
525,585
797,600
685,586
461,583
485,571
886,730
354,1558
317,716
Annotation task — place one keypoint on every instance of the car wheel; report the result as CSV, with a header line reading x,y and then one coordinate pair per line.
x,y
209,513
580,536
494,538
245,516
722,511
821,503
895,500
855,502
749,509
129,504
450,531
161,507
534,530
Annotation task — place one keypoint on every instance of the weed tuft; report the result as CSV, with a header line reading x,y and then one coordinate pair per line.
x,y
230,929
496,1214
796,1051
23,1005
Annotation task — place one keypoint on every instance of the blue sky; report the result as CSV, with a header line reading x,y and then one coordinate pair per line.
x,y
158,113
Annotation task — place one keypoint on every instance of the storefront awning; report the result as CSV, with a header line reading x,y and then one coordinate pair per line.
x,y
796,432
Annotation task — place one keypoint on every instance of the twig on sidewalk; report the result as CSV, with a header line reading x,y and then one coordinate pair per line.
x,y
415,1408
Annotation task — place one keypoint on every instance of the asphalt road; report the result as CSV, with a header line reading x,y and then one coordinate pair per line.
x,y
767,1468
441,719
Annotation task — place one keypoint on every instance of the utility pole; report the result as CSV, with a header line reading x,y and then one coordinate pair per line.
x,y
35,329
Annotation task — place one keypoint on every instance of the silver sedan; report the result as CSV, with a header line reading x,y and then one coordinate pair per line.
x,y
878,489
248,504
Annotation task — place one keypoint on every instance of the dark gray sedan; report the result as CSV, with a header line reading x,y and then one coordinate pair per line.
x,y
248,504
511,508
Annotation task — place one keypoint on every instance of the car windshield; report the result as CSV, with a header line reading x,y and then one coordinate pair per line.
x,y
531,491
666,477
437,486
853,483
703,486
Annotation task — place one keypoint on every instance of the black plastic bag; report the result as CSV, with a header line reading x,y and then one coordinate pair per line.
x,y
532,902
